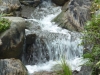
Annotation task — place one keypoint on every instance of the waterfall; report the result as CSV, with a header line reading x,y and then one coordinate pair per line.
x,y
52,42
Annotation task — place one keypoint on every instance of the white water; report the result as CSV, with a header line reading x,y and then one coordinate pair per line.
x,y
67,46
74,64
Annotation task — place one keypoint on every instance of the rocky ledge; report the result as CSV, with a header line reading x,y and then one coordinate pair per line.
x,y
12,40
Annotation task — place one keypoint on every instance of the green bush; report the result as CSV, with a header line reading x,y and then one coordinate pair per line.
x,y
92,37
4,24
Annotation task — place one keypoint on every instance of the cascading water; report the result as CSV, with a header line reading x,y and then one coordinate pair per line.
x,y
52,42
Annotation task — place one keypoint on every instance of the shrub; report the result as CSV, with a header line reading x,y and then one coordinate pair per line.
x,y
92,37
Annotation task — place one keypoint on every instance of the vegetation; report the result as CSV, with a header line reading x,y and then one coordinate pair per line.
x,y
65,68
92,38
95,5
4,23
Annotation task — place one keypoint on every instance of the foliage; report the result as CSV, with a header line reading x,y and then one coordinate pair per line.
x,y
66,69
92,33
95,5
4,23
92,37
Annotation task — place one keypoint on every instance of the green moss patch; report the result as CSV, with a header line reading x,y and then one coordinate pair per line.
x,y
4,24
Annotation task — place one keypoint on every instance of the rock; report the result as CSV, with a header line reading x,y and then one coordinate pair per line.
x,y
0,42
75,72
46,73
28,7
36,50
4,9
13,39
30,39
33,3
52,73
85,70
12,67
74,15
26,11
9,7
60,2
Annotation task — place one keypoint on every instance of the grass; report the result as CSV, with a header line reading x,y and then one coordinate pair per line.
x,y
65,68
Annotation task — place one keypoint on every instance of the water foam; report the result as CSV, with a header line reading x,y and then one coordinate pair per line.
x,y
74,64
63,46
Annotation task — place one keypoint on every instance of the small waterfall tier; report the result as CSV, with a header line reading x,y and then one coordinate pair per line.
x,y
51,42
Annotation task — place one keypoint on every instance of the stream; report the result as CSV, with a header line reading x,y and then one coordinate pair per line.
x,y
52,42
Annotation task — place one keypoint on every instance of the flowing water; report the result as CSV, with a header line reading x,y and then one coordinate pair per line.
x,y
52,42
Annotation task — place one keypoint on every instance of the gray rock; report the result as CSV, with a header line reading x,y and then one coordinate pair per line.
x,y
60,2
31,2
0,42
28,7
8,6
13,38
85,70
74,15
6,2
26,11
12,67
4,9
46,73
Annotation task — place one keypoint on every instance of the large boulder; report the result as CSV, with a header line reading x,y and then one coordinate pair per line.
x,y
12,67
12,40
74,15
60,2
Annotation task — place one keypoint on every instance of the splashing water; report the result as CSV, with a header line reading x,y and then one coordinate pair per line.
x,y
52,42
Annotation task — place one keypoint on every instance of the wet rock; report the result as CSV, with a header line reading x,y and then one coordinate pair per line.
x,y
75,72
60,2
13,39
34,46
30,39
74,15
12,67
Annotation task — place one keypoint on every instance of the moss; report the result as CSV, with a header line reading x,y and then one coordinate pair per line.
x,y
4,24
58,19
